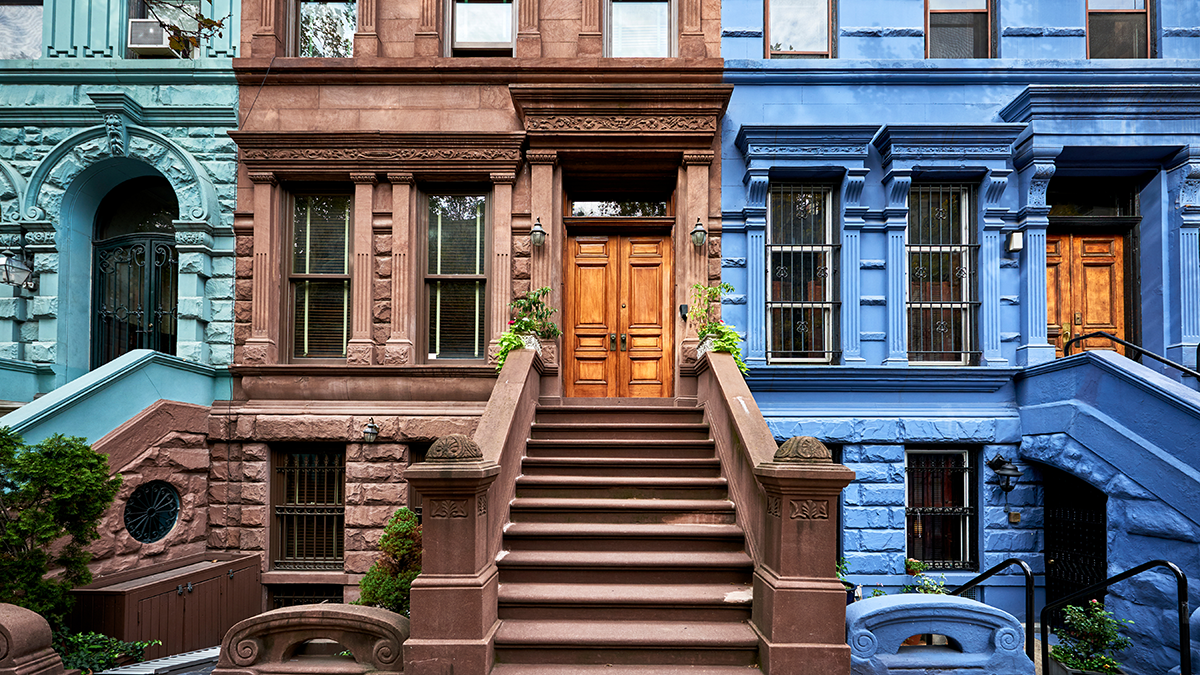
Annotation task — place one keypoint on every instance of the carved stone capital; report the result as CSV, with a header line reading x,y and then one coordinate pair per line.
x,y
703,158
454,448
541,157
503,178
364,178
264,177
397,355
400,178
803,449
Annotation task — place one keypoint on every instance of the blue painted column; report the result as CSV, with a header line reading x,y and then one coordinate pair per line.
x,y
755,213
1036,168
1189,263
896,186
853,219
989,267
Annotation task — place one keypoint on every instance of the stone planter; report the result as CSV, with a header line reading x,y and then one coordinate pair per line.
x,y
1053,667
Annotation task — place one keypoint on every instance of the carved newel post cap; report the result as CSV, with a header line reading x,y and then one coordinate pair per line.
x,y
455,448
803,449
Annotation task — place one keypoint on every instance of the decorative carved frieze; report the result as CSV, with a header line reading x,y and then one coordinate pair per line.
x,y
268,178
364,178
394,154
809,509
585,122
326,154
447,508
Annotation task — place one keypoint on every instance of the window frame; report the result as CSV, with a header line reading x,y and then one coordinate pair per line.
x,y
453,48
277,489
829,305
293,22
990,11
485,243
291,324
829,53
1148,11
969,553
672,30
968,303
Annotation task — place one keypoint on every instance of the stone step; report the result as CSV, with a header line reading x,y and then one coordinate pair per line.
x,y
523,536
603,447
626,642
620,430
625,602
617,669
613,412
626,487
599,510
621,466
625,567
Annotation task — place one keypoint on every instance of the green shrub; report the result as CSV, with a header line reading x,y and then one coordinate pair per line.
x,y
1091,638
93,652
388,583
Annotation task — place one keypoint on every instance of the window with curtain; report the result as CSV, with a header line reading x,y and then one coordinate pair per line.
x,y
941,274
1118,29
308,499
958,29
802,274
798,29
455,281
639,28
320,276
940,505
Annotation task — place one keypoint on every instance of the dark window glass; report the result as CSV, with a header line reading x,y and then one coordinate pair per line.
x,y
319,275
958,35
801,268
940,274
309,503
1117,35
455,283
941,509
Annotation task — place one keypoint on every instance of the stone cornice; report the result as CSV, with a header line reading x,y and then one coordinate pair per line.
x,y
151,116
1123,102
986,72
805,143
876,378
957,145
382,152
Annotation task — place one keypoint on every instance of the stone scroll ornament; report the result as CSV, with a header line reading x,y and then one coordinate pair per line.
x,y
454,448
803,449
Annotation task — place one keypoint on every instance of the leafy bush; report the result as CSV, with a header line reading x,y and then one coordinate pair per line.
x,y
724,337
388,583
52,496
530,316
926,584
1091,638
93,652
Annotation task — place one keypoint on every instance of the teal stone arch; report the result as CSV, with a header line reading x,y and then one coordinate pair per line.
x,y
12,188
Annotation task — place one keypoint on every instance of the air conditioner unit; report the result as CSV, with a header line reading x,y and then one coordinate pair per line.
x,y
148,38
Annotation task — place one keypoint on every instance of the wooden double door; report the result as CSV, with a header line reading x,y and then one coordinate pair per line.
x,y
1086,289
617,311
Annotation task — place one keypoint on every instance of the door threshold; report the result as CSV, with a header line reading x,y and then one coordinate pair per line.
x,y
665,402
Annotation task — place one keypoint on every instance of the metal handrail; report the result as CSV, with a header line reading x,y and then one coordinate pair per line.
x,y
1130,345
1028,595
1185,639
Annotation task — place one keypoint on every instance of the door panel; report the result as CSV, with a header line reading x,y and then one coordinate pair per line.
x,y
1085,289
617,311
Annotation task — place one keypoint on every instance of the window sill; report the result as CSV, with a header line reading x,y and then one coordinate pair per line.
x,y
314,577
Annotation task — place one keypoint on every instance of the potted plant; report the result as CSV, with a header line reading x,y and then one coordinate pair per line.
x,y
530,323
714,335
842,569
1089,641
913,567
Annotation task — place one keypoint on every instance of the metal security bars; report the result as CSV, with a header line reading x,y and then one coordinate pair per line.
x,y
941,509
941,275
135,304
290,595
801,275
309,510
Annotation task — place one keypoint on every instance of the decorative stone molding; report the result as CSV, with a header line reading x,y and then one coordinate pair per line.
x,y
541,157
958,148
503,178
267,178
364,179
809,509
454,448
397,355
803,449
400,178
114,126
394,153
25,644
697,158
642,123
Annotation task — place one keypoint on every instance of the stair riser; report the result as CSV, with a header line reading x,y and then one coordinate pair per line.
x,y
665,433
622,471
618,416
622,492
599,450
732,613
624,575
626,655
631,544
630,516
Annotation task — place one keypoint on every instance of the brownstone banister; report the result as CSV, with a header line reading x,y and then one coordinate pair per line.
x,y
272,641
25,644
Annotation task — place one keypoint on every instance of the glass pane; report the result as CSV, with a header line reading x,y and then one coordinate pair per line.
x,y
456,320
799,26
958,35
321,314
1116,4
957,4
456,234
618,208
327,29
321,228
798,276
939,512
639,29
936,217
20,31
1092,196
1117,35
476,22
140,205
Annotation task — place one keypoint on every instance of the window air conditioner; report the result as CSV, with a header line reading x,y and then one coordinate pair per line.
x,y
148,38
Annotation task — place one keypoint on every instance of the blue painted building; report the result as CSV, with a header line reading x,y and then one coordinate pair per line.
x,y
117,188
922,202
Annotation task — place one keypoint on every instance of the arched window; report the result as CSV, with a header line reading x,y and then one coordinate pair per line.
x,y
136,270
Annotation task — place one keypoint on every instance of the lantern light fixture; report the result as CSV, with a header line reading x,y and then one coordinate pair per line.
x,y
537,235
371,431
15,271
699,234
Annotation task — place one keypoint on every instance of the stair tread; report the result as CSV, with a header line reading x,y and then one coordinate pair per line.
x,y
625,594
606,530
619,669
653,481
629,559
624,461
597,503
658,634
621,442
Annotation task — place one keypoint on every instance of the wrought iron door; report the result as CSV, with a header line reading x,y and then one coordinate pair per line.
x,y
135,296
1076,529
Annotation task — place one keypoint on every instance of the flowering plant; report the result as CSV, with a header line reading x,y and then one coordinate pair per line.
x,y
914,566
1090,639
722,336
531,316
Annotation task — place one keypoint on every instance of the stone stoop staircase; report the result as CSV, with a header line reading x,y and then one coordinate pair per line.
x,y
622,556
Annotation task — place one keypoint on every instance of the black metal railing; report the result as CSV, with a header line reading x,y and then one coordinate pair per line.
x,y
1028,595
1185,639
1130,345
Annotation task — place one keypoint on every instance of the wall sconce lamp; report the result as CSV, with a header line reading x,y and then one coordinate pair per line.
x,y
371,431
537,235
1015,241
1005,469
17,272
699,234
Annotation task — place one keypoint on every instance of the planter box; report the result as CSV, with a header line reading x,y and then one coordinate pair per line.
x,y
1053,667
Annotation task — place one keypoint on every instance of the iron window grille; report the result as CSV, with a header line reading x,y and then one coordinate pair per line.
x,y
320,276
802,275
290,595
151,511
310,510
941,253
941,509
455,278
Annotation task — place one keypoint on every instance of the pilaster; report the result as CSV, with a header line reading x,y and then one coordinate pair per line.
x,y
262,346
991,217
591,41
360,351
13,304
399,348
1035,169
755,213
427,41
529,39
193,245
542,164
266,42
691,35
853,219
366,40
501,272
896,185
41,244
1189,262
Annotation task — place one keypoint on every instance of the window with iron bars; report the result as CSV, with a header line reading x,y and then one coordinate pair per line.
x,y
801,275
941,509
309,504
941,275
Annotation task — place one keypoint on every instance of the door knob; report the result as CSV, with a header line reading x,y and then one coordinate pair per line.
x,y
612,342
622,342
1066,333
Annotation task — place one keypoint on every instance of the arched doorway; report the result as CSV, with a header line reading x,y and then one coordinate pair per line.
x,y
135,270
1076,531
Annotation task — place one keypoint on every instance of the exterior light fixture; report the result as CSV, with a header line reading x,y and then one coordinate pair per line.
x,y
699,234
16,272
1005,469
371,431
1015,241
537,236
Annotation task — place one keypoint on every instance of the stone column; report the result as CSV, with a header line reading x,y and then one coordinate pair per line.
x,y
542,186
500,276
361,349
692,260
691,34
799,604
266,40
853,219
896,185
193,245
529,39
49,347
426,39
454,601
1189,265
399,348
262,345
591,41
1035,173
366,40
755,213
989,267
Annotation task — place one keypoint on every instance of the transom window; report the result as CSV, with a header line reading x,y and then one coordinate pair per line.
x,y
801,274
941,510
455,282
1118,29
320,279
308,496
958,29
941,274
483,25
798,29
639,28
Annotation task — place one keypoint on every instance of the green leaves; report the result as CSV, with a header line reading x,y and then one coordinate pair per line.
x,y
1091,638
185,23
389,581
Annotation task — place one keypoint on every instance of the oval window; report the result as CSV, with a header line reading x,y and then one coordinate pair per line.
x,y
151,511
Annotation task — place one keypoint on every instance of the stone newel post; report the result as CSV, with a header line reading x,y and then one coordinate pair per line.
x,y
453,602
799,605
